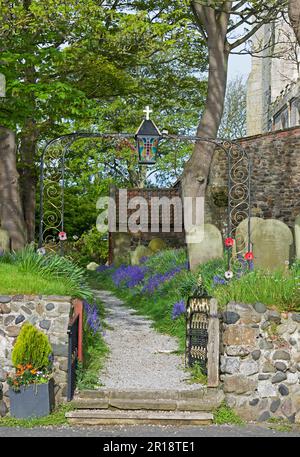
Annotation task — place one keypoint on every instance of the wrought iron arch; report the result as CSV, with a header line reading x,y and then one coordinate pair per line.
x,y
52,180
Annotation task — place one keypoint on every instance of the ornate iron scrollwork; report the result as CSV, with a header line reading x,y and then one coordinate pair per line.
x,y
53,170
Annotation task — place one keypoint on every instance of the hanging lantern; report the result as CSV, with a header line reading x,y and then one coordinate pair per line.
x,y
197,313
147,139
62,236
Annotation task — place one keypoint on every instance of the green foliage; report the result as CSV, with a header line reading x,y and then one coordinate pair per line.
x,y
49,267
56,418
13,282
279,289
166,260
86,65
280,424
225,415
32,347
197,375
95,352
92,246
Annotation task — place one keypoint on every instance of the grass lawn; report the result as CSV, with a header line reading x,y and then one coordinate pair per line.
x,y
26,272
56,418
15,281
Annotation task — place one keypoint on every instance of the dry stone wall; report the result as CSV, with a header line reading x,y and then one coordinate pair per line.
x,y
48,313
260,362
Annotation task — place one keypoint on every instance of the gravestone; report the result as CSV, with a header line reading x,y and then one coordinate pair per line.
x,y
121,251
297,236
4,241
241,236
139,253
204,244
271,245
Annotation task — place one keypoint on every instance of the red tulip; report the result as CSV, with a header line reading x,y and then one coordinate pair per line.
x,y
249,256
229,242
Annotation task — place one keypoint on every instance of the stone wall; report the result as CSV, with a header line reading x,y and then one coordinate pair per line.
x,y
51,315
260,362
275,179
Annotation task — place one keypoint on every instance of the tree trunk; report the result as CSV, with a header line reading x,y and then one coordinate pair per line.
x,y
28,176
294,15
11,213
196,172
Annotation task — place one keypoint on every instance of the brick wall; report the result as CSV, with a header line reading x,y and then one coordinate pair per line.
x,y
275,178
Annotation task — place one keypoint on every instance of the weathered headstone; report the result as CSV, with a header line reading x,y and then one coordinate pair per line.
x,y
271,245
140,252
297,236
121,252
4,241
241,236
204,244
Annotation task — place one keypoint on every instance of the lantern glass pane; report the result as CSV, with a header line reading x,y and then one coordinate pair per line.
x,y
147,148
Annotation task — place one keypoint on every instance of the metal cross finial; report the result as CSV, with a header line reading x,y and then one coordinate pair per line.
x,y
148,111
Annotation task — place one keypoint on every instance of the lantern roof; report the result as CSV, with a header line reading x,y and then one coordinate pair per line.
x,y
148,128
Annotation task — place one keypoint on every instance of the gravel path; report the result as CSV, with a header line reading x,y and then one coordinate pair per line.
x,y
139,356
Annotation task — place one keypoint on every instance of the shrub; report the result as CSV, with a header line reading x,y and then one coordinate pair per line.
x,y
32,348
51,266
91,246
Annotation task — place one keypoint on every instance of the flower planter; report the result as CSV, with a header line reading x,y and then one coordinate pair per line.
x,y
35,400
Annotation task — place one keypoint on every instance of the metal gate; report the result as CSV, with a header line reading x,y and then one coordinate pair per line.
x,y
73,334
52,182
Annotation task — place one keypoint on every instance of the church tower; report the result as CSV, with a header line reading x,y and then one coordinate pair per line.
x,y
273,88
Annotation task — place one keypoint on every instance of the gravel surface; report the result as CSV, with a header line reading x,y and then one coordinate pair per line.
x,y
147,431
139,356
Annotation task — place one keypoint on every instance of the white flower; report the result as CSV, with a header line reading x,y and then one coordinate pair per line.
x,y
75,237
41,251
228,274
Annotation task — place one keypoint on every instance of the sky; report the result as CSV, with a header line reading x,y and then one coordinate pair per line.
x,y
239,66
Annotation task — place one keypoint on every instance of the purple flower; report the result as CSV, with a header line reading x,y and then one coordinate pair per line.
x,y
178,309
218,280
128,275
157,280
92,316
251,265
144,259
104,268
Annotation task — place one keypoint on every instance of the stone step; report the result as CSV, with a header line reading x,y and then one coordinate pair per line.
x,y
117,417
197,400
143,394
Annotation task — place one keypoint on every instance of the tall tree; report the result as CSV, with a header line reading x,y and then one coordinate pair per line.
x,y
220,22
11,212
85,64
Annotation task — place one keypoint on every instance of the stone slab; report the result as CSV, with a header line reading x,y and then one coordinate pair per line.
x,y
107,417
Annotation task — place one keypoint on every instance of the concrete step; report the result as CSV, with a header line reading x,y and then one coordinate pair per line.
x,y
165,400
117,417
